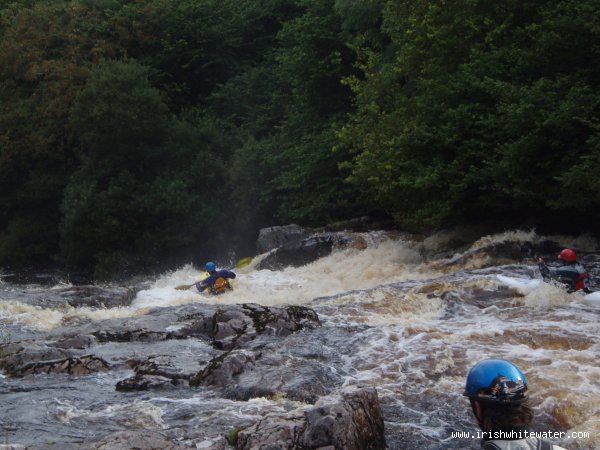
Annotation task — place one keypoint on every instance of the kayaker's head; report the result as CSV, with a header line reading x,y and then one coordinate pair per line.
x,y
497,390
496,381
210,267
567,255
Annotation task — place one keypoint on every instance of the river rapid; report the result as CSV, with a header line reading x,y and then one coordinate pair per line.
x,y
406,315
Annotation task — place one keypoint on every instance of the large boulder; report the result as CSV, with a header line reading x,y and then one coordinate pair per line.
x,y
352,420
303,252
274,237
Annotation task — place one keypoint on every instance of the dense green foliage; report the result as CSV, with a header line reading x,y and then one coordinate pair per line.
x,y
148,132
480,109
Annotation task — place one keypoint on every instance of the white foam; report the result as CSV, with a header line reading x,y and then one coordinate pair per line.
x,y
522,285
592,299
340,272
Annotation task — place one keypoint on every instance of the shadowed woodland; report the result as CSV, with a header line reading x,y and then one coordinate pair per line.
x,y
137,134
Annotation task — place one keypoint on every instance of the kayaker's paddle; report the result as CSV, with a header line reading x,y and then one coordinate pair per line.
x,y
241,263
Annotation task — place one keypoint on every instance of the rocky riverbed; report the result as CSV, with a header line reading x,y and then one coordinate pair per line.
x,y
329,341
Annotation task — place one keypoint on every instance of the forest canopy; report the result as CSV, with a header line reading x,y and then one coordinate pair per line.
x,y
142,133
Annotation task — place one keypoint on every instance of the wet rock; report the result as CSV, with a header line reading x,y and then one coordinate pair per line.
x,y
209,329
502,253
231,328
222,370
195,324
23,358
154,373
145,382
14,357
158,365
300,253
143,439
97,297
180,322
83,296
138,335
237,324
234,326
272,373
76,342
225,326
274,237
296,368
352,420
494,254
27,358
76,366
12,447
277,433
44,278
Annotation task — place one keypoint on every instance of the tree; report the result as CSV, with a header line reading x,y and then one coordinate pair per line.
x,y
40,72
146,182
312,59
475,110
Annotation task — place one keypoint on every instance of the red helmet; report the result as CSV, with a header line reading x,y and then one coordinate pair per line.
x,y
567,255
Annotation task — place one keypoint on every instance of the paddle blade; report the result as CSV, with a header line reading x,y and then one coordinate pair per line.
x,y
243,262
184,287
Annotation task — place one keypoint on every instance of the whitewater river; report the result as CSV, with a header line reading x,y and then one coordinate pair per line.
x,y
416,313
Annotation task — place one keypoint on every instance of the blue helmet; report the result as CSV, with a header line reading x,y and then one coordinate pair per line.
x,y
210,267
497,381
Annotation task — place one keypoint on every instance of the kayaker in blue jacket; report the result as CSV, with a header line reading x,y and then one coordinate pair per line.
x,y
217,281
570,272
